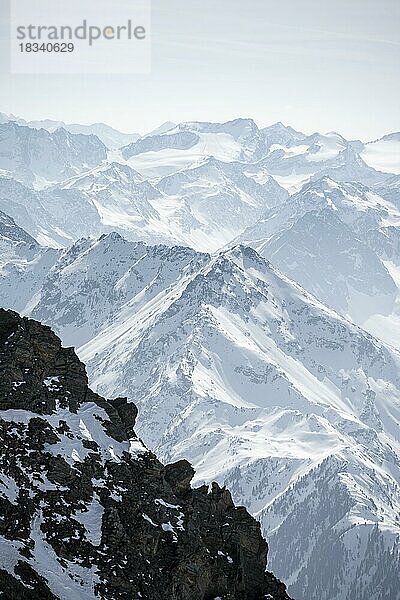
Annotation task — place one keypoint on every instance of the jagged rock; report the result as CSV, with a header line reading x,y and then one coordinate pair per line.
x,y
86,511
179,475
127,411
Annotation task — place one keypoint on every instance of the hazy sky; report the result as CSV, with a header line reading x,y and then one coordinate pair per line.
x,y
315,64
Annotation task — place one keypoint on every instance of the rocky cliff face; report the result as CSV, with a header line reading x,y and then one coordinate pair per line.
x,y
86,511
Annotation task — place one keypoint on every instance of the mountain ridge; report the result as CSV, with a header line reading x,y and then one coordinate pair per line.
x,y
104,517
224,277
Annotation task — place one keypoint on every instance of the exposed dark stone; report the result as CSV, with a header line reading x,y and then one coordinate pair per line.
x,y
127,411
82,488
13,589
179,475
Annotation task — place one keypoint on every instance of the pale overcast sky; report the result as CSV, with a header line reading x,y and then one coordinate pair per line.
x,y
314,64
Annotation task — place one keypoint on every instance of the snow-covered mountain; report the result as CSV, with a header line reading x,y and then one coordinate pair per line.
x,y
24,265
259,385
263,388
299,161
281,134
383,154
123,200
207,202
116,272
36,157
165,153
390,190
51,217
163,128
334,239
291,157
263,383
112,138
204,206
170,140
244,133
111,197
11,235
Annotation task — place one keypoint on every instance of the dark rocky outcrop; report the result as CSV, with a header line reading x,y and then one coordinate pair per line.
x,y
86,511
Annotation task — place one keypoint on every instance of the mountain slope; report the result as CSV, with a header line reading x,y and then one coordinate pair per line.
x,y
258,384
106,198
334,240
263,388
90,512
95,279
301,160
208,203
278,133
123,200
24,265
163,128
112,138
36,157
11,234
51,217
175,149
390,190
204,206
384,154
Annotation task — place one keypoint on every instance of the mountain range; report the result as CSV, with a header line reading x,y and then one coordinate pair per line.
x,y
112,138
335,240
241,285
253,380
37,157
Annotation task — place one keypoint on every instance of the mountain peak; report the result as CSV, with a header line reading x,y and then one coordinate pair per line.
x,y
241,251
239,129
11,231
102,503
324,181
113,236
279,126
163,128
